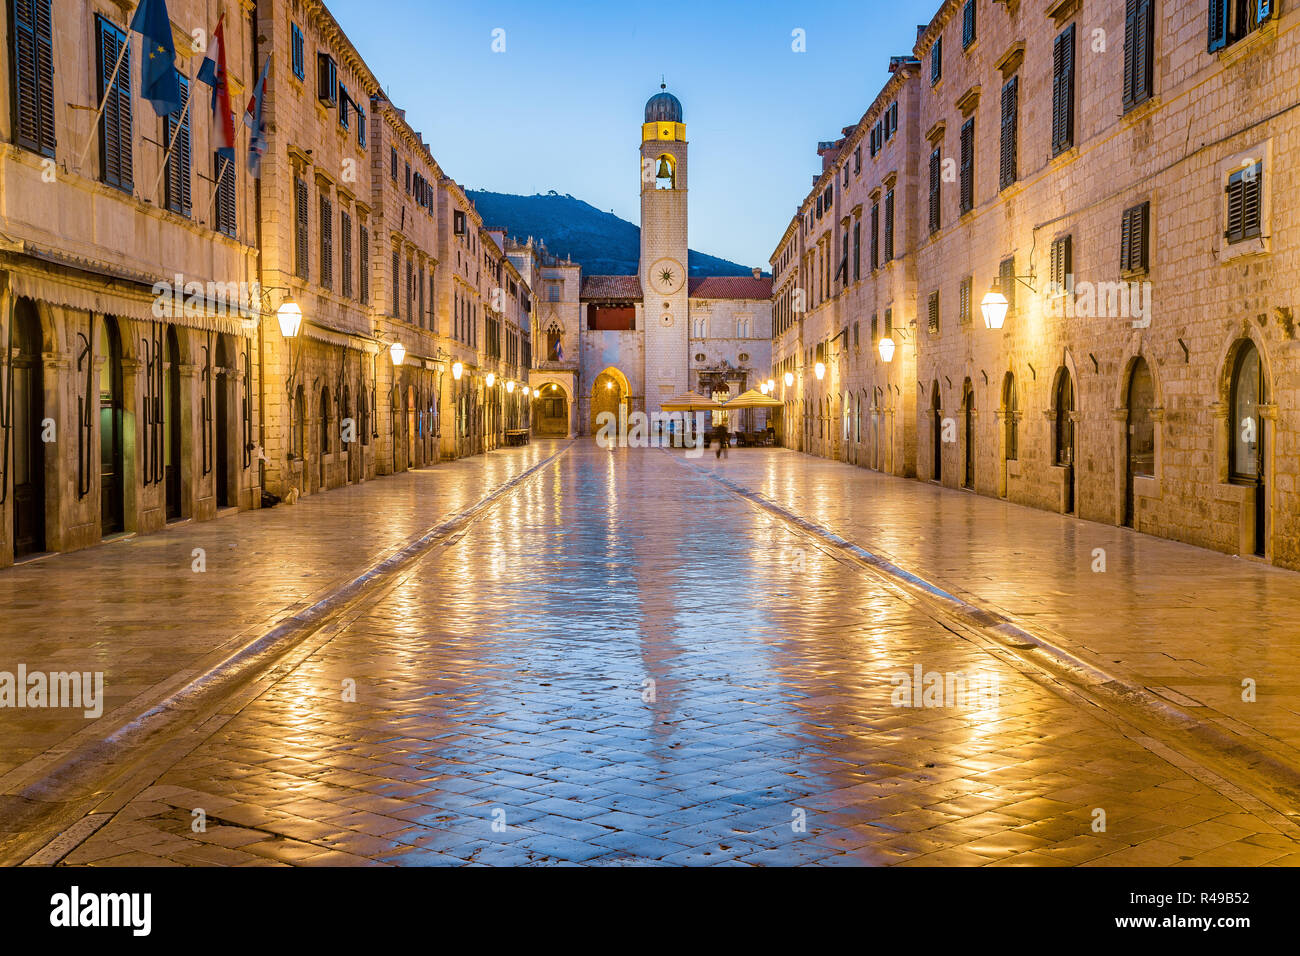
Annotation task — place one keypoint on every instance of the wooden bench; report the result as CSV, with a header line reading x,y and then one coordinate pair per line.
x,y
517,436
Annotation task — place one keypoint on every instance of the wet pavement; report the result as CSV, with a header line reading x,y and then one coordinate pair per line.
x,y
623,663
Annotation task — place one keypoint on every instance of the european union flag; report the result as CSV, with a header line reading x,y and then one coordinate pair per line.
x,y
158,64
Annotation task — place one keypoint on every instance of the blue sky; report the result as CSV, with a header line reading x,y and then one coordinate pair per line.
x,y
561,108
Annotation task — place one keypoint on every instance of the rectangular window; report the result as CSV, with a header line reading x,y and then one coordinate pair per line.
x,y
963,300
224,170
857,250
1061,266
361,127
177,195
1245,203
875,328
115,132
936,61
935,173
327,79
345,250
933,325
1007,282
1139,51
889,323
326,243
968,24
298,54
875,236
302,222
1010,122
968,166
1063,91
397,278
1135,238
889,226
458,222
345,107
1232,20
857,160
34,76
363,262
392,161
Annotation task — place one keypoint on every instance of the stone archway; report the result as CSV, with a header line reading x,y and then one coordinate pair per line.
x,y
551,409
610,392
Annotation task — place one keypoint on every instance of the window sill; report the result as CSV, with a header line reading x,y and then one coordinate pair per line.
x,y
1248,45
1140,111
1245,249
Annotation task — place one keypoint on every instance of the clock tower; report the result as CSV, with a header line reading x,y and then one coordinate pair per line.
x,y
663,270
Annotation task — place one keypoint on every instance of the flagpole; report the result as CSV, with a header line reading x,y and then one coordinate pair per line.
x,y
103,103
162,169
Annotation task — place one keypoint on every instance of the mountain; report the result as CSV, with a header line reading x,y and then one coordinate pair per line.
x,y
601,242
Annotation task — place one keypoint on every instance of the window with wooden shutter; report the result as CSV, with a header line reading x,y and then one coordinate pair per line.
x,y
327,80
345,250
936,61
968,24
1010,122
1232,20
34,76
299,55
115,131
1134,238
303,225
224,172
1007,282
875,328
363,262
889,323
963,300
968,166
1245,204
857,250
1063,91
177,195
935,173
326,243
889,226
933,325
361,126
1139,50
875,236
1061,266
397,278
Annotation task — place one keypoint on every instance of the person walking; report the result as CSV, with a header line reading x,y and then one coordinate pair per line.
x,y
724,441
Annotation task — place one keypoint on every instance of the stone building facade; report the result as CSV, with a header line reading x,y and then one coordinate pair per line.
x,y
1116,173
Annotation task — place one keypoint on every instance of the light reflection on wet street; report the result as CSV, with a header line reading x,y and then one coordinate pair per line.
x,y
622,663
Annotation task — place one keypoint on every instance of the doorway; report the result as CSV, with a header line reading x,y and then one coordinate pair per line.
x,y
1247,440
225,364
1064,451
968,413
28,413
172,425
936,429
112,483
1141,436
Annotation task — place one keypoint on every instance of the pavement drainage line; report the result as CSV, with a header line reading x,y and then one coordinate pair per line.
x,y
82,764
1221,744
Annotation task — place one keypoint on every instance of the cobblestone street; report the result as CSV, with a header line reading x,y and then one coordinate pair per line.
x,y
621,661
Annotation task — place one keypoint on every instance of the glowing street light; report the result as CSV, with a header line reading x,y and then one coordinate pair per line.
x,y
789,379
457,371
994,306
771,385
886,350
510,388
290,317
527,391
491,379
820,370
398,353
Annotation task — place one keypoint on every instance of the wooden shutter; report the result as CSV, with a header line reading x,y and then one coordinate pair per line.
x,y
1063,91
936,61
1135,238
397,278
968,165
1010,113
968,24
34,76
1263,11
178,192
934,190
345,248
303,225
1217,33
889,226
875,236
326,243
1062,265
1245,195
115,125
1139,26
934,313
226,211
1007,282
363,265
963,301
857,250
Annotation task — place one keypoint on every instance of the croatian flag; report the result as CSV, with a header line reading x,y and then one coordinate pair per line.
x,y
213,73
253,120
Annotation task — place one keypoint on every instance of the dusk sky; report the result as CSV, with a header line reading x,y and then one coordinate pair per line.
x,y
561,108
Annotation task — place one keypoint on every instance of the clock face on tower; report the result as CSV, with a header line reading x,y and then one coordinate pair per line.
x,y
667,276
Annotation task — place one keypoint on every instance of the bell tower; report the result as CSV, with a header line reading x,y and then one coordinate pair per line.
x,y
663,271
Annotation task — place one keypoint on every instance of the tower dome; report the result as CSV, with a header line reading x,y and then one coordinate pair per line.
x,y
663,108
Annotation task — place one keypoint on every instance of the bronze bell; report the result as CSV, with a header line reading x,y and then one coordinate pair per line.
x,y
664,171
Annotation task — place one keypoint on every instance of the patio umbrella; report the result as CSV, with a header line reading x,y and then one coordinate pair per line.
x,y
691,402
752,399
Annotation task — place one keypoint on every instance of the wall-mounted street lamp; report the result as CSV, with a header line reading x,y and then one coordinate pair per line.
x,y
457,370
397,352
491,379
886,350
527,391
290,318
510,388
820,370
771,385
994,307
789,379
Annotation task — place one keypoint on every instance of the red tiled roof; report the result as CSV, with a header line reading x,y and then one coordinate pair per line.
x,y
610,287
730,287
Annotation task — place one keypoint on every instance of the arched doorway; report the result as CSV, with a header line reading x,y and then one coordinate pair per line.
x,y
112,478
936,428
1063,450
1248,391
225,369
172,434
968,413
411,405
551,412
348,433
28,413
1141,434
609,393
323,471
1011,427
